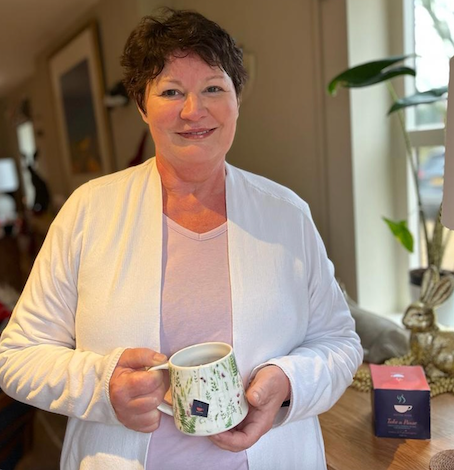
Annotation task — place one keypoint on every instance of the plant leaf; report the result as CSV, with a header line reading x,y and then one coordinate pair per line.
x,y
370,73
425,97
401,232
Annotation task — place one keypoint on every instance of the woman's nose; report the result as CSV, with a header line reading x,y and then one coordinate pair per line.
x,y
193,107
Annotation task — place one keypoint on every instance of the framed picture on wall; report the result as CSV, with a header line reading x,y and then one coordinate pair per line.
x,y
77,85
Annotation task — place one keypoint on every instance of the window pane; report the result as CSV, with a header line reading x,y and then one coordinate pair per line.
x,y
26,140
434,46
431,162
430,176
27,148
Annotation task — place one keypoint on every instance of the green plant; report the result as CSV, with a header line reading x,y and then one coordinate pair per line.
x,y
385,70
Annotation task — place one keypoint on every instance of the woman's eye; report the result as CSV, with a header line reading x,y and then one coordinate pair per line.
x,y
170,93
213,89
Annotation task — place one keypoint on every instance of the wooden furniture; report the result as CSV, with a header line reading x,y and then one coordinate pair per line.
x,y
350,442
18,250
10,263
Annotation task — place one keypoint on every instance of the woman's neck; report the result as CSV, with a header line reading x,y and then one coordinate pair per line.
x,y
194,199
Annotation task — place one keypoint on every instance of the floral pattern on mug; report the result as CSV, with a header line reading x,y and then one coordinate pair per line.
x,y
220,387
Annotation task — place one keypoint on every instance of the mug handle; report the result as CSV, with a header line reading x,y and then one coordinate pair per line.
x,y
164,407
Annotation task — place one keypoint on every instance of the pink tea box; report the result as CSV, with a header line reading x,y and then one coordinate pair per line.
x,y
400,401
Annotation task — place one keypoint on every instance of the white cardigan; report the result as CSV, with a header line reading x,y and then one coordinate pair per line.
x,y
95,287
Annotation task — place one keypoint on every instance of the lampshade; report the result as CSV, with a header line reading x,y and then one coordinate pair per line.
x,y
447,214
8,175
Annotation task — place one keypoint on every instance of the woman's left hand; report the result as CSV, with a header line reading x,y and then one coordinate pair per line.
x,y
269,389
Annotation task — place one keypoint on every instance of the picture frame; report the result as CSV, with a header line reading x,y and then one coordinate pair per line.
x,y
78,91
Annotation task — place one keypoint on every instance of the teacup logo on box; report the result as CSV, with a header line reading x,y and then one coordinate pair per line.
x,y
401,399
402,407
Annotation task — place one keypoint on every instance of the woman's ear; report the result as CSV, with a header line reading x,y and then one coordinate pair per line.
x,y
142,113
144,101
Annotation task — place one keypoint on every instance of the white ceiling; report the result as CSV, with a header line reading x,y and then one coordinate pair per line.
x,y
27,28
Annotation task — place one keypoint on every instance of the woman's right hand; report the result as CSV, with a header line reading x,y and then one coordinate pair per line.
x,y
136,393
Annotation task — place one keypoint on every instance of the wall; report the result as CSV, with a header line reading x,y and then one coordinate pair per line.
x,y
378,159
335,142
288,130
403,190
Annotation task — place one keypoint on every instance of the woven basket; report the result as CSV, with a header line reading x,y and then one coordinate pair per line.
x,y
442,461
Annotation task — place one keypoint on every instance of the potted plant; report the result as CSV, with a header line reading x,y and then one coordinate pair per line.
x,y
383,71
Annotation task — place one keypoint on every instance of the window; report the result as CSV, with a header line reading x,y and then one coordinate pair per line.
x,y
430,27
434,46
27,148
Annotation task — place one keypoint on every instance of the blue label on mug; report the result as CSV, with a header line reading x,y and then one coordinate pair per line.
x,y
199,408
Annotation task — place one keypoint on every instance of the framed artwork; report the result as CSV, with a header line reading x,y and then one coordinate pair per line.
x,y
77,85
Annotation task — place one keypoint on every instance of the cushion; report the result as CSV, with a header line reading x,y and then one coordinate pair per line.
x,y
381,337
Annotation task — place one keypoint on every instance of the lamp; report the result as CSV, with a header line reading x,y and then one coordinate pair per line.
x,y
9,183
447,214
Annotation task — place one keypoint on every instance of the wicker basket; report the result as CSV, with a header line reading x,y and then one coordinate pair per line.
x,y
442,461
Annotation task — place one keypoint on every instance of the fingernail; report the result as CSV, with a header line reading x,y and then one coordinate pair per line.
x,y
256,397
160,357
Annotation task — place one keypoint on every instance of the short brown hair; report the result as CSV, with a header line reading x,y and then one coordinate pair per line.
x,y
156,39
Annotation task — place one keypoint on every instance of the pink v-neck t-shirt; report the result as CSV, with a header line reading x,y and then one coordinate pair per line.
x,y
196,307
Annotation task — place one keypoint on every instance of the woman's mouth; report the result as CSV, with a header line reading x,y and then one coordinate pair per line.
x,y
196,134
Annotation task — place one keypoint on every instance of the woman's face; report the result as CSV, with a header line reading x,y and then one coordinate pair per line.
x,y
192,110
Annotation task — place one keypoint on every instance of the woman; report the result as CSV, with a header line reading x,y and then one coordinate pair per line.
x,y
182,249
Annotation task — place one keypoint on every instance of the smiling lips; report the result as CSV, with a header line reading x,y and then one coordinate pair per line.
x,y
197,133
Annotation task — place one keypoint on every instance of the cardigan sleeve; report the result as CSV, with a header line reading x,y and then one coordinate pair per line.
x,y
39,362
323,365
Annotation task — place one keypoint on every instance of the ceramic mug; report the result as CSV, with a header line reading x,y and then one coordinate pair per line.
x,y
206,388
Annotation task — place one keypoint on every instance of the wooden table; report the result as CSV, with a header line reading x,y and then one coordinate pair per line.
x,y
350,442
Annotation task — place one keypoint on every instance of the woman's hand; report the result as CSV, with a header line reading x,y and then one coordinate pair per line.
x,y
269,389
134,392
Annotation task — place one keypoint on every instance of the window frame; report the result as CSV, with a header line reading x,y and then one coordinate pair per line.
x,y
420,136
